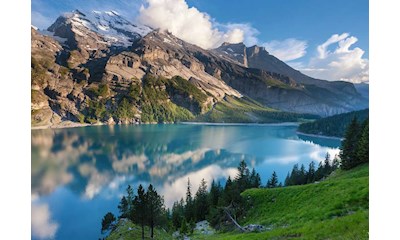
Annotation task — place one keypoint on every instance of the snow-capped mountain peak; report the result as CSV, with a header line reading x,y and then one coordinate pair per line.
x,y
110,25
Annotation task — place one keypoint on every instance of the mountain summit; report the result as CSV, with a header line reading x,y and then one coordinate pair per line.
x,y
100,67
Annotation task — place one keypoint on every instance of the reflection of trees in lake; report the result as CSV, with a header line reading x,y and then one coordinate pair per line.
x,y
88,159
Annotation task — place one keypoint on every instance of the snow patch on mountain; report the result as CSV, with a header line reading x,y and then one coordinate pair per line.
x,y
114,28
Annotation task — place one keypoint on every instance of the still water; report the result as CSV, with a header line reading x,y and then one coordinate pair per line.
x,y
79,174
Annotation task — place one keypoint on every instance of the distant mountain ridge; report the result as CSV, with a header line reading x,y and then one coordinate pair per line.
x,y
100,59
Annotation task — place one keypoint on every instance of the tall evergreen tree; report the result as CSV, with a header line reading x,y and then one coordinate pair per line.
x,y
201,203
327,165
123,207
349,144
215,194
242,178
255,180
139,208
287,180
311,172
319,174
155,208
189,209
302,175
362,154
273,181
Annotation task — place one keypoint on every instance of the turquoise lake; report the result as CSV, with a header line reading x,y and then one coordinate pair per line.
x,y
80,174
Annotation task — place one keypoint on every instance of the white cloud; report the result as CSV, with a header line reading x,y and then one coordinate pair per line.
x,y
287,50
342,63
42,225
191,25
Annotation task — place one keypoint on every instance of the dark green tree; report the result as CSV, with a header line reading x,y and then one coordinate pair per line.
x,y
108,222
201,203
215,194
155,209
178,213
189,208
123,207
243,176
272,181
327,165
139,208
302,175
349,144
311,172
288,179
362,154
255,180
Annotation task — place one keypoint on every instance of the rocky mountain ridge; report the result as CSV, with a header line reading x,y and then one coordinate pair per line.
x,y
98,67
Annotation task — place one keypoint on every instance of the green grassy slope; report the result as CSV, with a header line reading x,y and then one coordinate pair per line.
x,y
127,230
246,110
336,208
334,125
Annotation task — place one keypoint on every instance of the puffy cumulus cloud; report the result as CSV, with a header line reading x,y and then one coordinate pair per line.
x,y
43,227
191,25
288,49
342,63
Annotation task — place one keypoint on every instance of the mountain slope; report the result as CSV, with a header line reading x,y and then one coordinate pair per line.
x,y
336,208
96,61
340,92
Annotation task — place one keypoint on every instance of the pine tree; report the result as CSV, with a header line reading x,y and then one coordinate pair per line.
x,y
108,222
311,172
295,175
302,175
327,165
201,203
215,194
349,144
123,207
273,181
242,178
319,174
287,180
189,209
155,208
362,154
139,208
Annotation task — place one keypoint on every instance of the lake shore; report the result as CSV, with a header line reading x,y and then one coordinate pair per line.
x,y
242,124
75,124
319,136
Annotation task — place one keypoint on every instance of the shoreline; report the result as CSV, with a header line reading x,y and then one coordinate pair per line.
x,y
76,125
319,136
241,124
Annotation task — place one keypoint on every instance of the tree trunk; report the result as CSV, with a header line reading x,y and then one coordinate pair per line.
x,y
152,230
234,221
142,231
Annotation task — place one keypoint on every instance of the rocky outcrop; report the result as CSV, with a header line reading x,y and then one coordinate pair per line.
x,y
92,67
322,97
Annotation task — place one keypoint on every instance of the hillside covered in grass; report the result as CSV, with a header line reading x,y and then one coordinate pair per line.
x,y
245,110
336,208
334,125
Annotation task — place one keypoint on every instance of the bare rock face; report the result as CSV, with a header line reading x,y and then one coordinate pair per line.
x,y
318,96
92,67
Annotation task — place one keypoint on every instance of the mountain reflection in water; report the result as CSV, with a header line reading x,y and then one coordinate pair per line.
x,y
79,174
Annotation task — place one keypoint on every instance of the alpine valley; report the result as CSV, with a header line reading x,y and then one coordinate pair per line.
x,y
99,68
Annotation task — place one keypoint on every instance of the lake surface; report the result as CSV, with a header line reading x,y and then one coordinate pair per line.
x,y
80,174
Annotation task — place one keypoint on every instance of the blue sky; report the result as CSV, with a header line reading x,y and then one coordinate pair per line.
x,y
324,39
